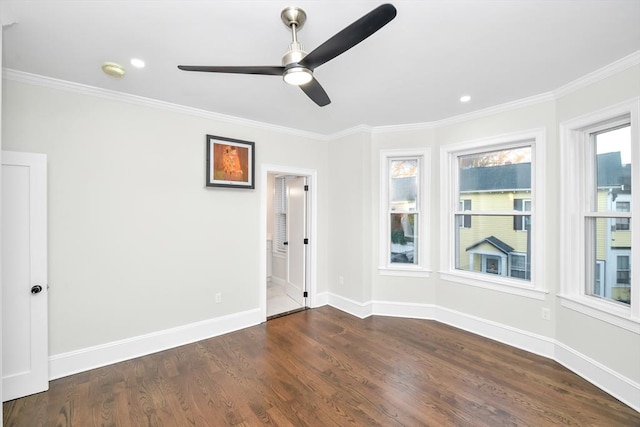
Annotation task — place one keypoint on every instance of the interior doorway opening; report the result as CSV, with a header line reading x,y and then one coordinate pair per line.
x,y
288,226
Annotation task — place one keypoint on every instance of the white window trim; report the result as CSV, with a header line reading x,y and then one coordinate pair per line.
x,y
421,269
535,288
573,135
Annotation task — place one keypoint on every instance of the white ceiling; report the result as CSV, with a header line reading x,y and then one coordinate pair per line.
x,y
413,70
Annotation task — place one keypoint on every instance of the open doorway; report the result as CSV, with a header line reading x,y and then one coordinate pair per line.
x,y
288,223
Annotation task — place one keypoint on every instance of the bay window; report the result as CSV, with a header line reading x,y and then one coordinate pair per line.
x,y
599,164
492,233
403,189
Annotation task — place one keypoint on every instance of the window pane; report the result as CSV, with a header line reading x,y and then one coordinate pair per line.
x,y
403,188
622,224
613,149
280,213
404,238
493,246
609,256
493,180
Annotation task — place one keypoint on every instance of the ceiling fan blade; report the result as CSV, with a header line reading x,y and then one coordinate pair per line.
x,y
316,93
267,70
350,36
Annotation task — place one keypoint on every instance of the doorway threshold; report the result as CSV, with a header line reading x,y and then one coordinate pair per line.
x,y
286,313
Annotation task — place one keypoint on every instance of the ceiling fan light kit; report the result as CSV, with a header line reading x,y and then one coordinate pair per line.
x,y
297,76
298,66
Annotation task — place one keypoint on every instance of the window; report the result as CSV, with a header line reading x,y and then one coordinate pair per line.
x,y
622,224
522,222
465,205
492,237
402,212
518,266
599,173
280,214
607,191
623,275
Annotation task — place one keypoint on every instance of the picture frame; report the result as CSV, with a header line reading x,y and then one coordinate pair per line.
x,y
230,163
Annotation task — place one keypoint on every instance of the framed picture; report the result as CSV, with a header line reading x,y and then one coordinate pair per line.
x,y
230,162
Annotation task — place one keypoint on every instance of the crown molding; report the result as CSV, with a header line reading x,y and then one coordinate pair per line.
x,y
350,131
405,127
599,74
501,108
589,79
82,89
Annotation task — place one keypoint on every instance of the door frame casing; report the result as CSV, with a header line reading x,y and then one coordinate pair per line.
x,y
311,261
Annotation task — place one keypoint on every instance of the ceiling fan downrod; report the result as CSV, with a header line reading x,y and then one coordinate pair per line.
x,y
297,75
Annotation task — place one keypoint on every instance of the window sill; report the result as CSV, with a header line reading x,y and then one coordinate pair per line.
x,y
404,271
606,311
499,284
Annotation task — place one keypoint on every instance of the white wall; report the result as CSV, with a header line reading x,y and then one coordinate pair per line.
x,y
610,345
137,244
517,311
1,148
350,217
411,290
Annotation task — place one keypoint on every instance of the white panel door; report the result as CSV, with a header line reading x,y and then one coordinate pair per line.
x,y
296,233
24,275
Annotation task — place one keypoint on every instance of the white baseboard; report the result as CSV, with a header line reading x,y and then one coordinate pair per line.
x,y
524,340
62,365
322,298
350,306
278,281
617,385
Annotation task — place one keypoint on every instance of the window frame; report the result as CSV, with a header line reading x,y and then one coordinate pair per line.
x,y
385,266
534,288
577,207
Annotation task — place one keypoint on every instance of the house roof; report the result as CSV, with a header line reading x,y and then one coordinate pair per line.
x,y
495,242
505,177
611,173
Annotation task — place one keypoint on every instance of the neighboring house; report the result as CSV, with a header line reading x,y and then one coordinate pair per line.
x,y
612,272
501,244
495,244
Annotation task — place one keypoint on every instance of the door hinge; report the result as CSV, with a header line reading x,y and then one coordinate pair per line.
x,y
306,188
305,294
306,241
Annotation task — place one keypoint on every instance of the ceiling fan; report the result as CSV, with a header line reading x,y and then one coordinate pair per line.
x,y
298,65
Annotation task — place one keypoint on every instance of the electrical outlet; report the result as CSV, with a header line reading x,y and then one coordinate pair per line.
x,y
546,313
341,280
218,298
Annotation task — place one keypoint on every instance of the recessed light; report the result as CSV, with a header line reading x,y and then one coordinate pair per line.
x,y
465,98
112,69
138,63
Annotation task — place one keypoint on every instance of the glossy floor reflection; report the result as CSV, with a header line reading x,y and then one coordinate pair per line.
x,y
277,300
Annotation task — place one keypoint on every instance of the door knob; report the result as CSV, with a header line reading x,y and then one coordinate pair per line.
x,y
36,289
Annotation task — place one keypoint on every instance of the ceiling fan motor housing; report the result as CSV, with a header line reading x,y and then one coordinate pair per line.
x,y
294,54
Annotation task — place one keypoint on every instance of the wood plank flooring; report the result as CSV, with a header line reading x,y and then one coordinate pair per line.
x,y
323,367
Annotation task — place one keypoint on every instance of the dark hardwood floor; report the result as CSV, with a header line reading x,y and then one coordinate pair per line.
x,y
323,367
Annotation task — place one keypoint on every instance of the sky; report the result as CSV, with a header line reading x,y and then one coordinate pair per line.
x,y
616,140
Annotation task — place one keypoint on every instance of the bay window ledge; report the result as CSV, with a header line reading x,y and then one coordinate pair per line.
x,y
609,312
497,283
